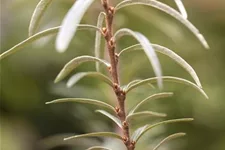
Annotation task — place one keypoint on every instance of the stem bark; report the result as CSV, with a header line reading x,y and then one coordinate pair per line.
x,y
120,94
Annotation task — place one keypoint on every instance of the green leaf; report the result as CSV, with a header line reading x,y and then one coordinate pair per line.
x,y
83,100
70,24
165,51
145,113
97,134
149,51
110,116
181,7
77,77
168,79
98,148
135,81
138,132
37,15
71,65
39,35
144,129
98,52
171,137
152,97
167,9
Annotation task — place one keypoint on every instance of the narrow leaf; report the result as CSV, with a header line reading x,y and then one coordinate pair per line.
x,y
167,9
169,79
181,8
149,51
98,148
97,134
83,100
37,15
144,130
138,132
39,35
165,51
152,97
75,78
70,24
145,113
76,62
98,52
136,81
169,138
110,116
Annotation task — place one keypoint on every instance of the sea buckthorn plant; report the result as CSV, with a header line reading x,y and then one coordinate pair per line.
x,y
104,29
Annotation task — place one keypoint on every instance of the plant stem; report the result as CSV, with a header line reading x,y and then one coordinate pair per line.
x,y
121,95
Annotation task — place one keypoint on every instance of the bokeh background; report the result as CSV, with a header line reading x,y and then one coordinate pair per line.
x,y
27,78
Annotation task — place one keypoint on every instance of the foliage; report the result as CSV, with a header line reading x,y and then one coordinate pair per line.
x,y
65,34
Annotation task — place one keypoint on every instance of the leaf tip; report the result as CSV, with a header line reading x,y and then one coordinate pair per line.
x,y
65,139
48,103
190,119
60,46
58,78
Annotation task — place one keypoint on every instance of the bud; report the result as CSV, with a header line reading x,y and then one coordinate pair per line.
x,y
117,109
111,10
125,139
116,86
125,124
133,143
104,30
111,42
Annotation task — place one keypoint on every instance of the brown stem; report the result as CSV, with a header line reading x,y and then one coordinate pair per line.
x,y
121,95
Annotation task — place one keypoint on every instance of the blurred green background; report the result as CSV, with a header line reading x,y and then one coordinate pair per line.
x,y
27,78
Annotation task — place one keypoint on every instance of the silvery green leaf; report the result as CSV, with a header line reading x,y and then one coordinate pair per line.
x,y
138,132
168,79
181,7
71,65
170,137
39,35
135,81
167,9
37,15
149,51
110,116
152,97
83,100
75,78
144,114
149,127
165,51
70,24
98,51
98,148
97,134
